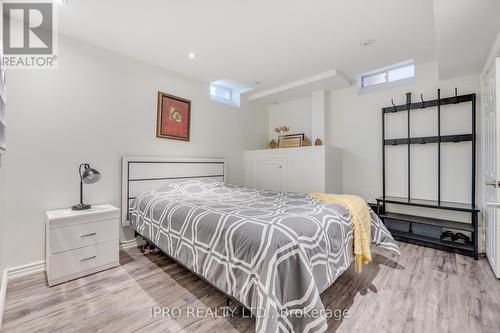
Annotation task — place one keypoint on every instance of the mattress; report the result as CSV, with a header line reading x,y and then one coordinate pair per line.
x,y
248,243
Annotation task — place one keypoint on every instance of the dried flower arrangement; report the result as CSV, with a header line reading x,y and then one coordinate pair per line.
x,y
281,129
278,131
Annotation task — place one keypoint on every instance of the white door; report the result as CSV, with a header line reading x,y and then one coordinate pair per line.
x,y
491,126
269,174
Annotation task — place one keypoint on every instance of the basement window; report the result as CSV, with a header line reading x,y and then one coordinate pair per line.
x,y
227,91
220,92
389,76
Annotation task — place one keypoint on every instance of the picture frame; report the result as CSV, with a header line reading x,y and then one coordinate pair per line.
x,y
173,117
291,140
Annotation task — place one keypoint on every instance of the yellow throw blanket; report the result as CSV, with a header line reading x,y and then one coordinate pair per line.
x,y
361,223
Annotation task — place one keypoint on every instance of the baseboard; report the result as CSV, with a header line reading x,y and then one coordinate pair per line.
x,y
129,244
31,268
3,292
13,272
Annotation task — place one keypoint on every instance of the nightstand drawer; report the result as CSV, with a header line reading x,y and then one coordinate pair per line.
x,y
81,235
86,260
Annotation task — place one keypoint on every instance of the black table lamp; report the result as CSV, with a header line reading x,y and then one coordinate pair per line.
x,y
87,176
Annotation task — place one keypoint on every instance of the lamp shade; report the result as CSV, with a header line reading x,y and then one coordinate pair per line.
x,y
90,176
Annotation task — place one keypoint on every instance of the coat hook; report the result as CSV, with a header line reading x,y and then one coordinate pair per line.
x,y
394,105
422,98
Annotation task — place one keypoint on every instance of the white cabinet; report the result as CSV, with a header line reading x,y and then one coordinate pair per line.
x,y
302,170
79,243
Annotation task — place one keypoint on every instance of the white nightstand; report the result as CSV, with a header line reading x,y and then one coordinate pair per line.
x,y
79,243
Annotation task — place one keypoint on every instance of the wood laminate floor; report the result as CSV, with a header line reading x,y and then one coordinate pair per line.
x,y
424,290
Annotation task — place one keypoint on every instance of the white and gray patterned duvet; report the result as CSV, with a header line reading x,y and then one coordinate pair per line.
x,y
273,251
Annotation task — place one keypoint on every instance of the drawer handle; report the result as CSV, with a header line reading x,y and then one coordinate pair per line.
x,y
88,235
89,258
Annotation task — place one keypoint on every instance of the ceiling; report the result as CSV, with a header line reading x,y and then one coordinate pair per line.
x,y
272,41
465,34
331,80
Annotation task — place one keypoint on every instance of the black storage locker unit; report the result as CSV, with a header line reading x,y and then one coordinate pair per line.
x,y
426,230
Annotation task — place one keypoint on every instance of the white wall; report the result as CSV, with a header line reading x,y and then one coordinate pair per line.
x,y
2,223
96,107
3,253
295,114
318,110
355,125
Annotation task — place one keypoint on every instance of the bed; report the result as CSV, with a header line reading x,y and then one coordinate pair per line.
x,y
248,242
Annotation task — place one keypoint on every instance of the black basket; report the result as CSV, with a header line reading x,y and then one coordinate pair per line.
x,y
427,230
397,225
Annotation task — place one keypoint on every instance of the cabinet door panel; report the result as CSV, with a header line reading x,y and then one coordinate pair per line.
x,y
269,175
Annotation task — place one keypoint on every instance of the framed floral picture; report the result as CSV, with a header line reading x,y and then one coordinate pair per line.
x,y
173,117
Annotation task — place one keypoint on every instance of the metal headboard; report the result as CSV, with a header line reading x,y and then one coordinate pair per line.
x,y
141,174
